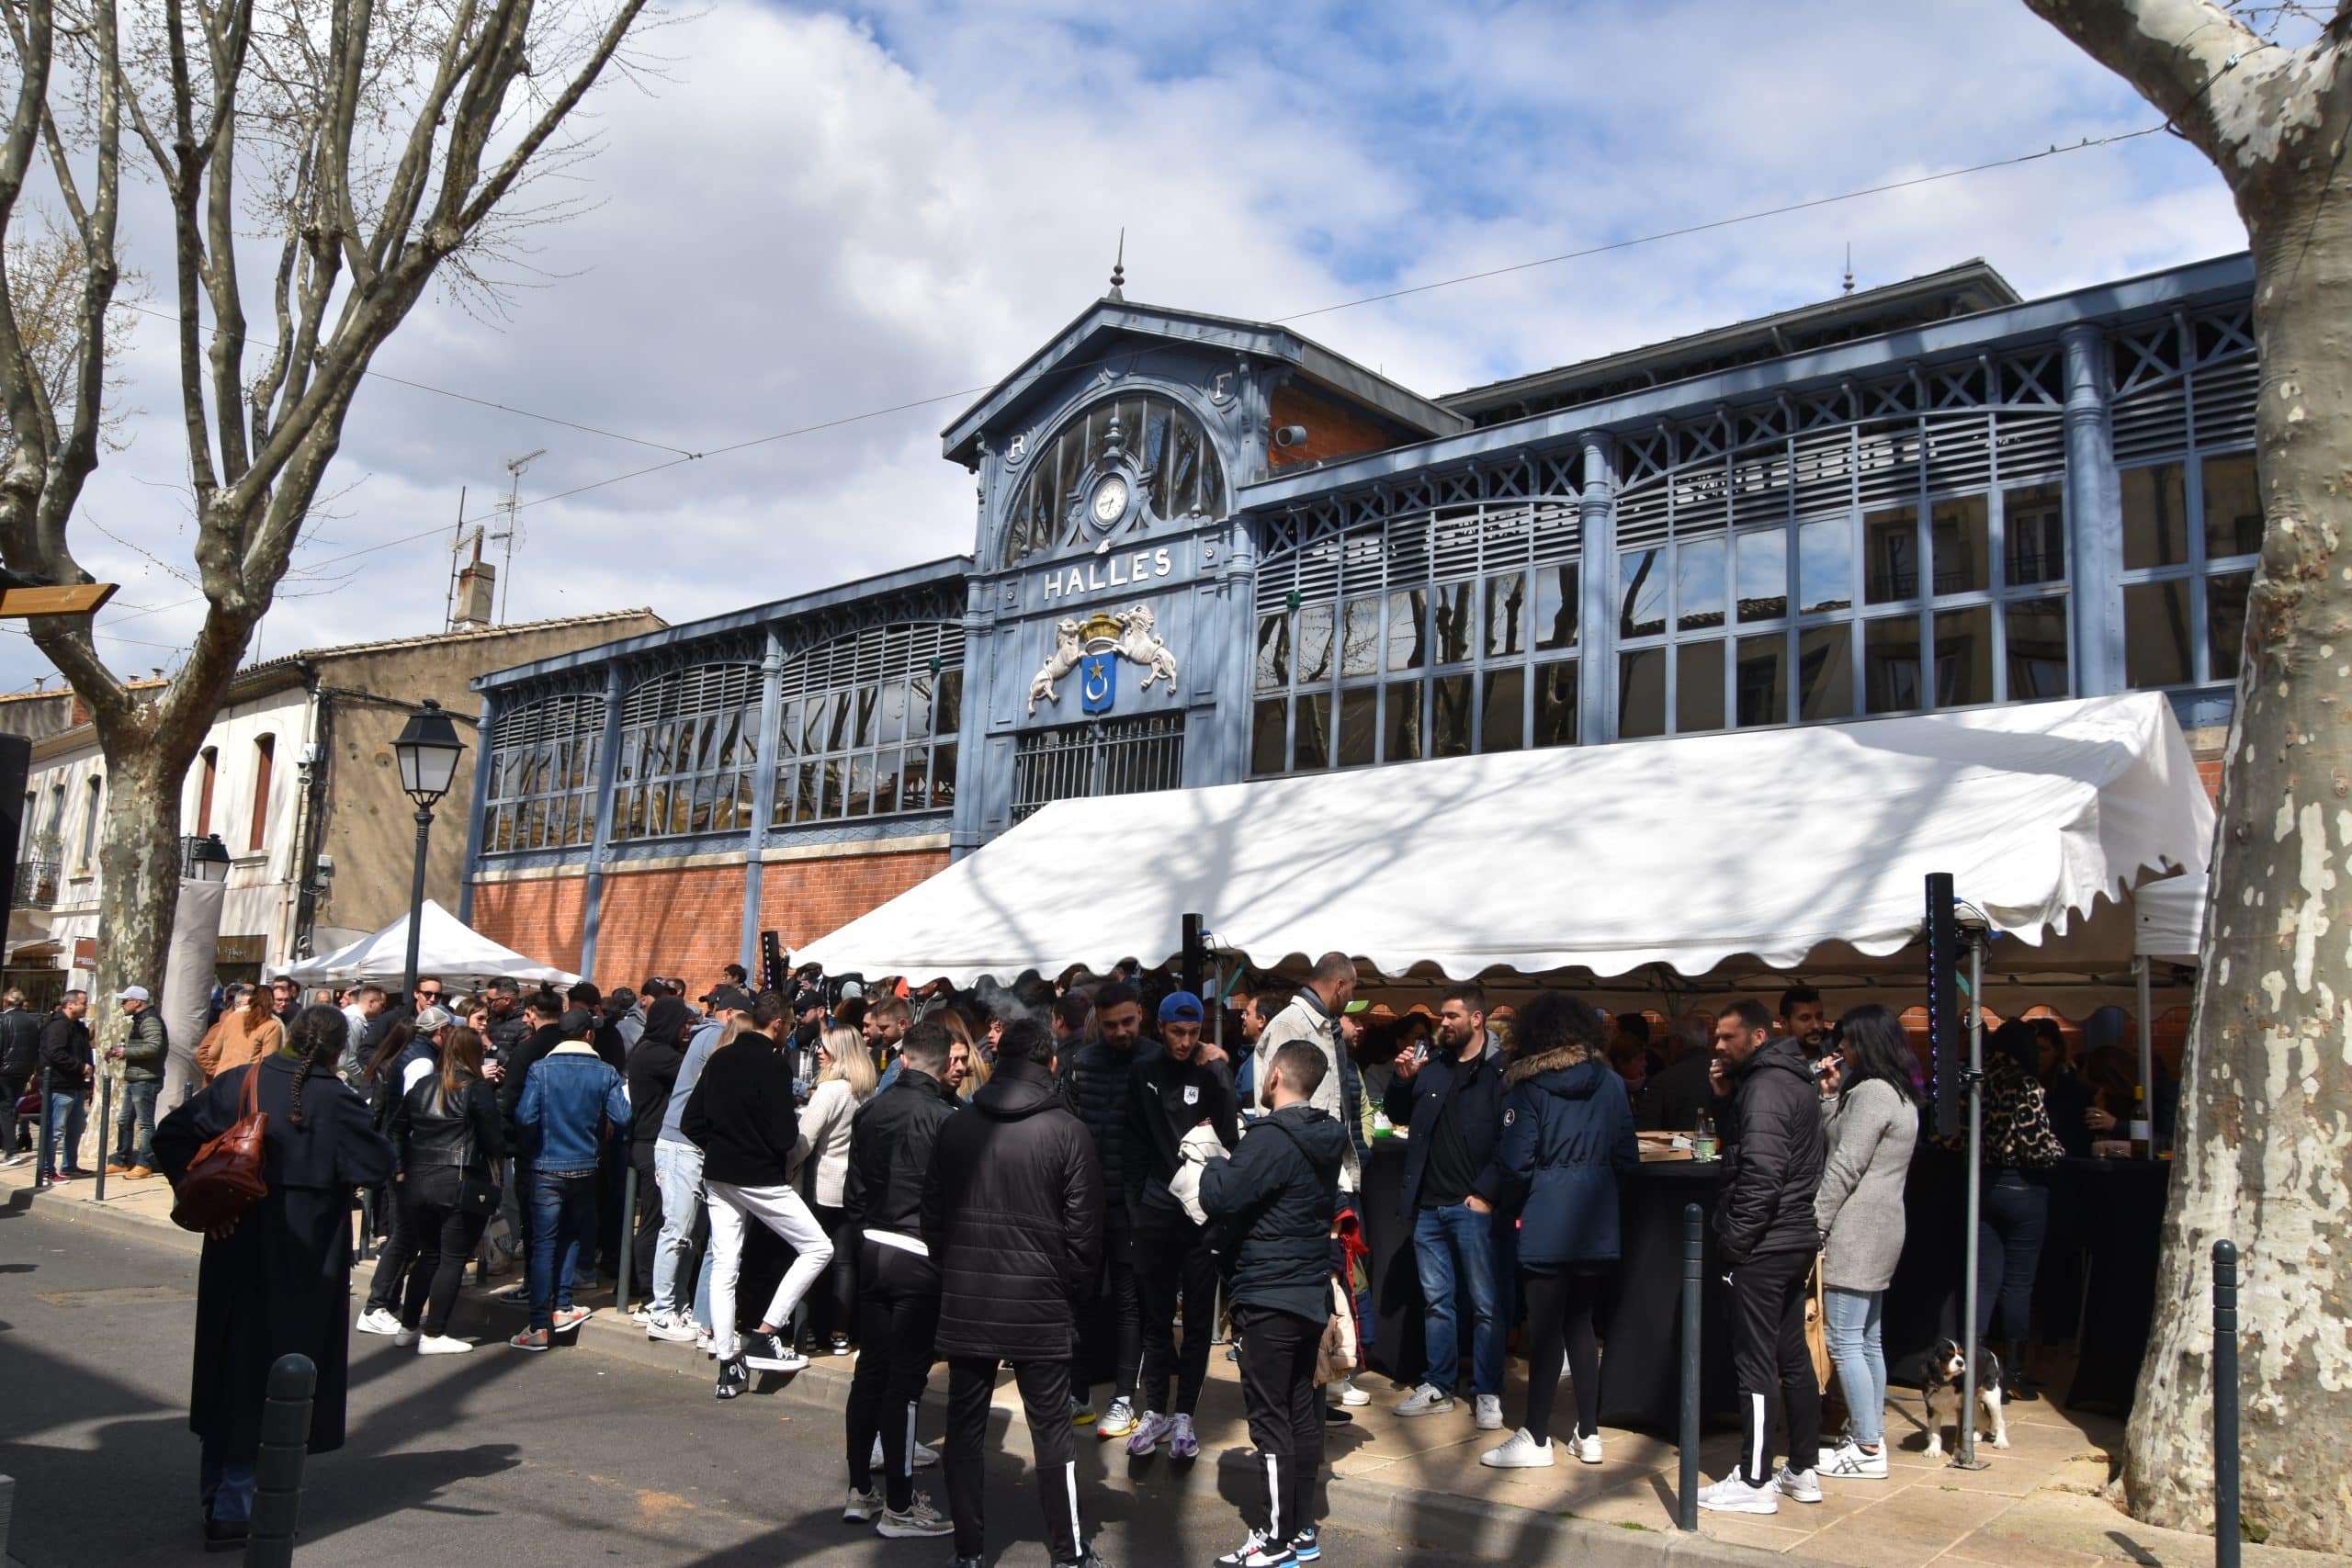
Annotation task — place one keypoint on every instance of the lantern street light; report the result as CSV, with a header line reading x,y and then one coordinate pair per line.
x,y
208,859
429,751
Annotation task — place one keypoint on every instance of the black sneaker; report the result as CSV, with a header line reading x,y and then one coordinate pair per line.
x,y
769,1353
733,1378
1306,1546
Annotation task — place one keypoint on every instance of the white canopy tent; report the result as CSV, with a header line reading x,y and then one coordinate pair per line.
x,y
1698,857
456,952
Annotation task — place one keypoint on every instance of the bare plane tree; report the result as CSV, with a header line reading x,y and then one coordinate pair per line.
x,y
375,145
2265,1134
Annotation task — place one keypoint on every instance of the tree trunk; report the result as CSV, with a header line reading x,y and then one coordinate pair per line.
x,y
2265,1133
139,872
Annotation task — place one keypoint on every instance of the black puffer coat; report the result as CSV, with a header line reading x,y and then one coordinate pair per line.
x,y
1774,1170
1094,1086
1275,1199
891,1140
1012,1215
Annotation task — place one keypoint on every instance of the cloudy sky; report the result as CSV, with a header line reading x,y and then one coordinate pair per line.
x,y
821,213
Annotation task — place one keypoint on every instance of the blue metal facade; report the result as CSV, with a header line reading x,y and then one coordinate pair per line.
x,y
2041,498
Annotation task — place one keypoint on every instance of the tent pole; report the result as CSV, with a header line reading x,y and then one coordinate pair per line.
x,y
1966,1458
2147,1052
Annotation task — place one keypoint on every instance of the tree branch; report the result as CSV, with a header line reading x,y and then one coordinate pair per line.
x,y
2190,57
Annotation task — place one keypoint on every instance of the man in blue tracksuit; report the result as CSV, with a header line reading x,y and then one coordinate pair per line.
x,y
571,1096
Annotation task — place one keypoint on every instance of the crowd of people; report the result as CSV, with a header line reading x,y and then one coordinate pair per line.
x,y
1076,1181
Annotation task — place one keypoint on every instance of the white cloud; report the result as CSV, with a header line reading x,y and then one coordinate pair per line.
x,y
822,215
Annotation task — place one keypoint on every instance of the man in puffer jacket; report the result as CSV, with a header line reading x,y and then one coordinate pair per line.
x,y
1093,1081
1765,1228
1012,1215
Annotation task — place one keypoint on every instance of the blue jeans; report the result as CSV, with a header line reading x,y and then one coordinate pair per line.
x,y
677,1171
1455,1251
138,1110
563,1223
1850,1323
225,1485
61,1133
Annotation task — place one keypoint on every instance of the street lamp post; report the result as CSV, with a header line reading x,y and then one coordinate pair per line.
x,y
428,750
208,859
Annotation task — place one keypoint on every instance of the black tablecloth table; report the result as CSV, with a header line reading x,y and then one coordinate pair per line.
x,y
1641,1325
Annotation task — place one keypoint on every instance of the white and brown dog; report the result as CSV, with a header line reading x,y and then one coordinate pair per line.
x,y
1946,1367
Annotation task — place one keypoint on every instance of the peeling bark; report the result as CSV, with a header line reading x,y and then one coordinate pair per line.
x,y
2265,1133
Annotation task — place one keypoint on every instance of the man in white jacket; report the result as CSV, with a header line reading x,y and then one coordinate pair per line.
x,y
1314,1015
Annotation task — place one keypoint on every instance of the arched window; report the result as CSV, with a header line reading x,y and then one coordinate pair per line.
x,y
208,762
870,726
1140,455
264,759
689,742
543,774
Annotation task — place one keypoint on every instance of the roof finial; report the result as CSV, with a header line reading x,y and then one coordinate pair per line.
x,y
1850,268
1119,268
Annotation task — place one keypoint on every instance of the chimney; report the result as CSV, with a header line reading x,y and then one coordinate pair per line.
x,y
477,594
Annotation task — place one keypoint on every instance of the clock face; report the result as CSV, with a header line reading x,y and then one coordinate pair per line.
x,y
1110,500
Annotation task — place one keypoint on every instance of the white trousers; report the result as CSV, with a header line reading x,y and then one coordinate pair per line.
x,y
781,1210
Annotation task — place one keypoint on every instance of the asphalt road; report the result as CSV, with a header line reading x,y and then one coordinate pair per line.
x,y
494,1457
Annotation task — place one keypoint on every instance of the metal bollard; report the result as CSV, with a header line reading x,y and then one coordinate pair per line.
x,y
43,1155
2226,1534
1694,1254
106,1125
277,1468
626,1284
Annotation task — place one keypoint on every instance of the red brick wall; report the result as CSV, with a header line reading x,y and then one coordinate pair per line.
x,y
686,921
1332,430
541,918
2208,770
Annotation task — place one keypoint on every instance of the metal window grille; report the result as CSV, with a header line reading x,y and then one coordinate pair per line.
x,y
689,743
870,725
1117,756
543,762
1174,455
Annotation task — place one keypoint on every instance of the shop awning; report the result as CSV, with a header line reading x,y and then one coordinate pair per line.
x,y
447,948
1766,845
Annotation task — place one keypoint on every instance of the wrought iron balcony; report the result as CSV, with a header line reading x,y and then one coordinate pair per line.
x,y
36,885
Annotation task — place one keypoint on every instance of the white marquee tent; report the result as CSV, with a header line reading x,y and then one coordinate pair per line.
x,y
456,952
1697,857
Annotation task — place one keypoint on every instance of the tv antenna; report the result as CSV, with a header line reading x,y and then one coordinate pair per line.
x,y
514,466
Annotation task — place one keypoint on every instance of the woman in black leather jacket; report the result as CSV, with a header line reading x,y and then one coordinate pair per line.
x,y
449,1139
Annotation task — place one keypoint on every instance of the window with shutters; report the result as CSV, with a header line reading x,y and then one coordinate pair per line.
x,y
543,758
870,725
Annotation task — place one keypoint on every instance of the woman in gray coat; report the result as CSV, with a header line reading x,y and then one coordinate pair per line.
x,y
1871,1124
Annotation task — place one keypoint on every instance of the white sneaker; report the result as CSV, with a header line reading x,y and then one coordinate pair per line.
x,y
405,1338
1733,1495
925,1456
442,1345
1491,1412
1426,1400
1349,1394
862,1505
378,1322
1849,1462
1585,1446
1798,1485
672,1329
641,1315
1521,1451
920,1519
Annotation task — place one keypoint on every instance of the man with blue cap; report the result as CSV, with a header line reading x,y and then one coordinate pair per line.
x,y
1172,1097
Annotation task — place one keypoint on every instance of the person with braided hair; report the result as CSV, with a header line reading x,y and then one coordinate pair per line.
x,y
278,1278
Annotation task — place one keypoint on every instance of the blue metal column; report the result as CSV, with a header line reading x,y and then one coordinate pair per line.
x,y
608,761
2093,514
483,733
1597,636
762,796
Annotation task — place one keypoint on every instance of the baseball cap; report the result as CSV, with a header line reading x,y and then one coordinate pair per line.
x,y
1180,1006
1356,1007
432,1019
131,994
852,988
729,997
808,998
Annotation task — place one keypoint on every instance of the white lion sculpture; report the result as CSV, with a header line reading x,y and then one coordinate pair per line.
x,y
1140,644
1058,663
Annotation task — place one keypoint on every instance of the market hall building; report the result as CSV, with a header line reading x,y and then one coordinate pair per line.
x,y
1210,550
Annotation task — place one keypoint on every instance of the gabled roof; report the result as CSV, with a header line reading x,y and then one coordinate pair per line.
x,y
1085,344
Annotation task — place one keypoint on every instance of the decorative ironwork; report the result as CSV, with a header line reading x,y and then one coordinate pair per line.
x,y
36,884
1116,756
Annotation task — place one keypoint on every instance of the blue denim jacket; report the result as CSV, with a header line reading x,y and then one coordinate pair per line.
x,y
569,1095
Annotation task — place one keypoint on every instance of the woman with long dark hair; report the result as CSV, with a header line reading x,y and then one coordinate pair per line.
x,y
382,1081
277,1280
449,1138
1872,1127
2014,1215
1567,1140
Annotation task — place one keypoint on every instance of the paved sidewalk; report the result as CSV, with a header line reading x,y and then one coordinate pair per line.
x,y
2039,1505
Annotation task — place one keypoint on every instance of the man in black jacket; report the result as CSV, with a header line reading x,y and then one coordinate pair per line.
x,y
20,1063
1452,1105
66,1062
1168,1094
1277,1196
891,1142
651,1074
1094,1086
1766,1230
1012,1215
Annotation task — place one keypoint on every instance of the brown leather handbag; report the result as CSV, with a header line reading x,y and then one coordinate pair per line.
x,y
224,1179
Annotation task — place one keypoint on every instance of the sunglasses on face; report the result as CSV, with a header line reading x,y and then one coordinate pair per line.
x,y
430,996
